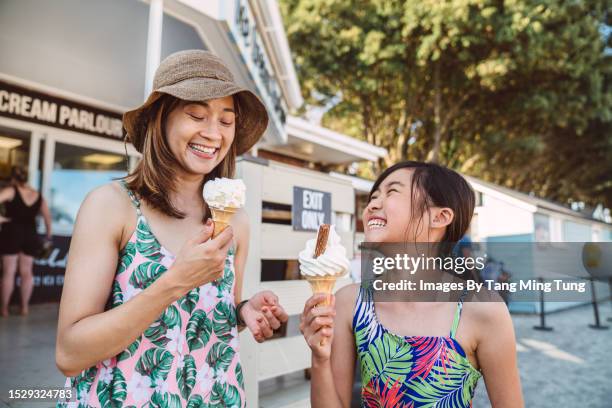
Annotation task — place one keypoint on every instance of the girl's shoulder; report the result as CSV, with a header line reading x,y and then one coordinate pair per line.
x,y
347,296
486,316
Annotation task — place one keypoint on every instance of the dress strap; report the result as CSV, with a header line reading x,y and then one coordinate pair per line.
x,y
457,315
133,197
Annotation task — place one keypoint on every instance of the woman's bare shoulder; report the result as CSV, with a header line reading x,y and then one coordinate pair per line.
x,y
108,203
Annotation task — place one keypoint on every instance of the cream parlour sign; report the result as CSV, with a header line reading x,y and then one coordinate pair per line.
x,y
17,102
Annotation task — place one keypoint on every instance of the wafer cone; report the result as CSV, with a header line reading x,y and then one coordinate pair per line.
x,y
323,284
221,217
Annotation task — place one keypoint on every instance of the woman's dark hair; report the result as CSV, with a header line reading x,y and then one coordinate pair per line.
x,y
437,186
19,174
155,174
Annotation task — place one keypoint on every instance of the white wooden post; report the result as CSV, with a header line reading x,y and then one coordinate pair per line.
x,y
252,175
154,43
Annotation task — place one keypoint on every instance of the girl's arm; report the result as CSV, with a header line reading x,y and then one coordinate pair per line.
x,y
333,364
86,333
44,210
496,353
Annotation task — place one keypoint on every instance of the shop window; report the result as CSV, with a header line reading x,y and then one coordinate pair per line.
x,y
279,269
76,171
274,213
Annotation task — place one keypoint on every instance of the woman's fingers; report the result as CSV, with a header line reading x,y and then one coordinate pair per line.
x,y
279,313
272,320
265,328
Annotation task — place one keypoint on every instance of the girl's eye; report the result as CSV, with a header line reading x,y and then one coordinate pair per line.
x,y
392,190
227,123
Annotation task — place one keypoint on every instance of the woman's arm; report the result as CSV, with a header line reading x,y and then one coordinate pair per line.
x,y
44,210
7,194
333,364
86,333
496,353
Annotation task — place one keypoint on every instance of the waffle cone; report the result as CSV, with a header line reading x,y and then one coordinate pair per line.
x,y
323,284
222,218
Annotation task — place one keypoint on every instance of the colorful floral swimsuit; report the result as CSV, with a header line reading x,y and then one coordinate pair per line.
x,y
187,358
410,371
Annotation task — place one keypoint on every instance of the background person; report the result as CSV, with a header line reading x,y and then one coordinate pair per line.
x,y
19,241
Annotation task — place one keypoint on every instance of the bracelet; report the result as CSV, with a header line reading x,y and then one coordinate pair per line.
x,y
238,317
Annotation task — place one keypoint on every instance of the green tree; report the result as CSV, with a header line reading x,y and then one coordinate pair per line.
x,y
498,89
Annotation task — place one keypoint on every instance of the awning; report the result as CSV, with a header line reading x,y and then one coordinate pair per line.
x,y
251,39
317,144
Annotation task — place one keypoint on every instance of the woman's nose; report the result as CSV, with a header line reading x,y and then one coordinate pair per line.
x,y
210,130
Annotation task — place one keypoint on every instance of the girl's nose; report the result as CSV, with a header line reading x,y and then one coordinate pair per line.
x,y
374,204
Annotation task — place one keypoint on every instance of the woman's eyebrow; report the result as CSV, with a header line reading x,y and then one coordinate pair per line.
x,y
206,105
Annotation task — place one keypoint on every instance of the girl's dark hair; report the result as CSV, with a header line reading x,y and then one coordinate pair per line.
x,y
437,186
19,174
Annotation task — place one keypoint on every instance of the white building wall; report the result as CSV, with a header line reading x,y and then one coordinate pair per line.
x,y
89,48
497,217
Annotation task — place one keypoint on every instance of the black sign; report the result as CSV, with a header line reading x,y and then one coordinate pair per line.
x,y
17,102
311,208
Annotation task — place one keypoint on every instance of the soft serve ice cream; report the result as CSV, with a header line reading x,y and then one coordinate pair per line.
x,y
331,263
323,261
225,192
224,197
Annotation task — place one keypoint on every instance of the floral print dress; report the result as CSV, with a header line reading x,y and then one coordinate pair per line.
x,y
410,371
186,358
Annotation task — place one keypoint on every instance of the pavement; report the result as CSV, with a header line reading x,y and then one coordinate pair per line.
x,y
570,366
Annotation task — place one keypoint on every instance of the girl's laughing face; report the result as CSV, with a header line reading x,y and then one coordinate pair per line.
x,y
394,214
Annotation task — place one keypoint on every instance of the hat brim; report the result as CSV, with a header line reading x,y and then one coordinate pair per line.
x,y
251,122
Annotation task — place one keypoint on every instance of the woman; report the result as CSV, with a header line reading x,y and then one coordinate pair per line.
x,y
19,241
170,337
412,353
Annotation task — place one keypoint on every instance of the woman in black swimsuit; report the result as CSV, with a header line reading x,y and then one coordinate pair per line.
x,y
19,242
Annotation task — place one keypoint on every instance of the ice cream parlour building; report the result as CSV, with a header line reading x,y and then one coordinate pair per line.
x,y
71,68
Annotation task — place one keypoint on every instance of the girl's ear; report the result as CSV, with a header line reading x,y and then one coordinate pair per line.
x,y
441,217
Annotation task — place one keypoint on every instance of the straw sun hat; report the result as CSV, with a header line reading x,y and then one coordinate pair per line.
x,y
197,75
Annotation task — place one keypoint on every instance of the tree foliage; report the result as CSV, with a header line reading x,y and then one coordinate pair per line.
x,y
516,92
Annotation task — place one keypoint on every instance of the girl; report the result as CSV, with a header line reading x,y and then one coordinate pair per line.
x,y
170,337
412,354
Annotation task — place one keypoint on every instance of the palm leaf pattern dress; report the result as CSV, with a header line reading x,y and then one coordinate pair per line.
x,y
187,358
410,371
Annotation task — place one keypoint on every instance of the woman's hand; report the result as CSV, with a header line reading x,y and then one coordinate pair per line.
x,y
263,314
4,219
201,260
317,325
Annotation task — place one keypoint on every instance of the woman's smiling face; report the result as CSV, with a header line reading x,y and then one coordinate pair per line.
x,y
200,134
393,213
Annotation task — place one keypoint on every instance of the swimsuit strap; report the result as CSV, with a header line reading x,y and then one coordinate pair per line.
x,y
457,315
133,197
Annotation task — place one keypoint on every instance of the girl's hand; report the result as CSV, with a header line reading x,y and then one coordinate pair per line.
x,y
4,219
317,325
201,260
263,314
